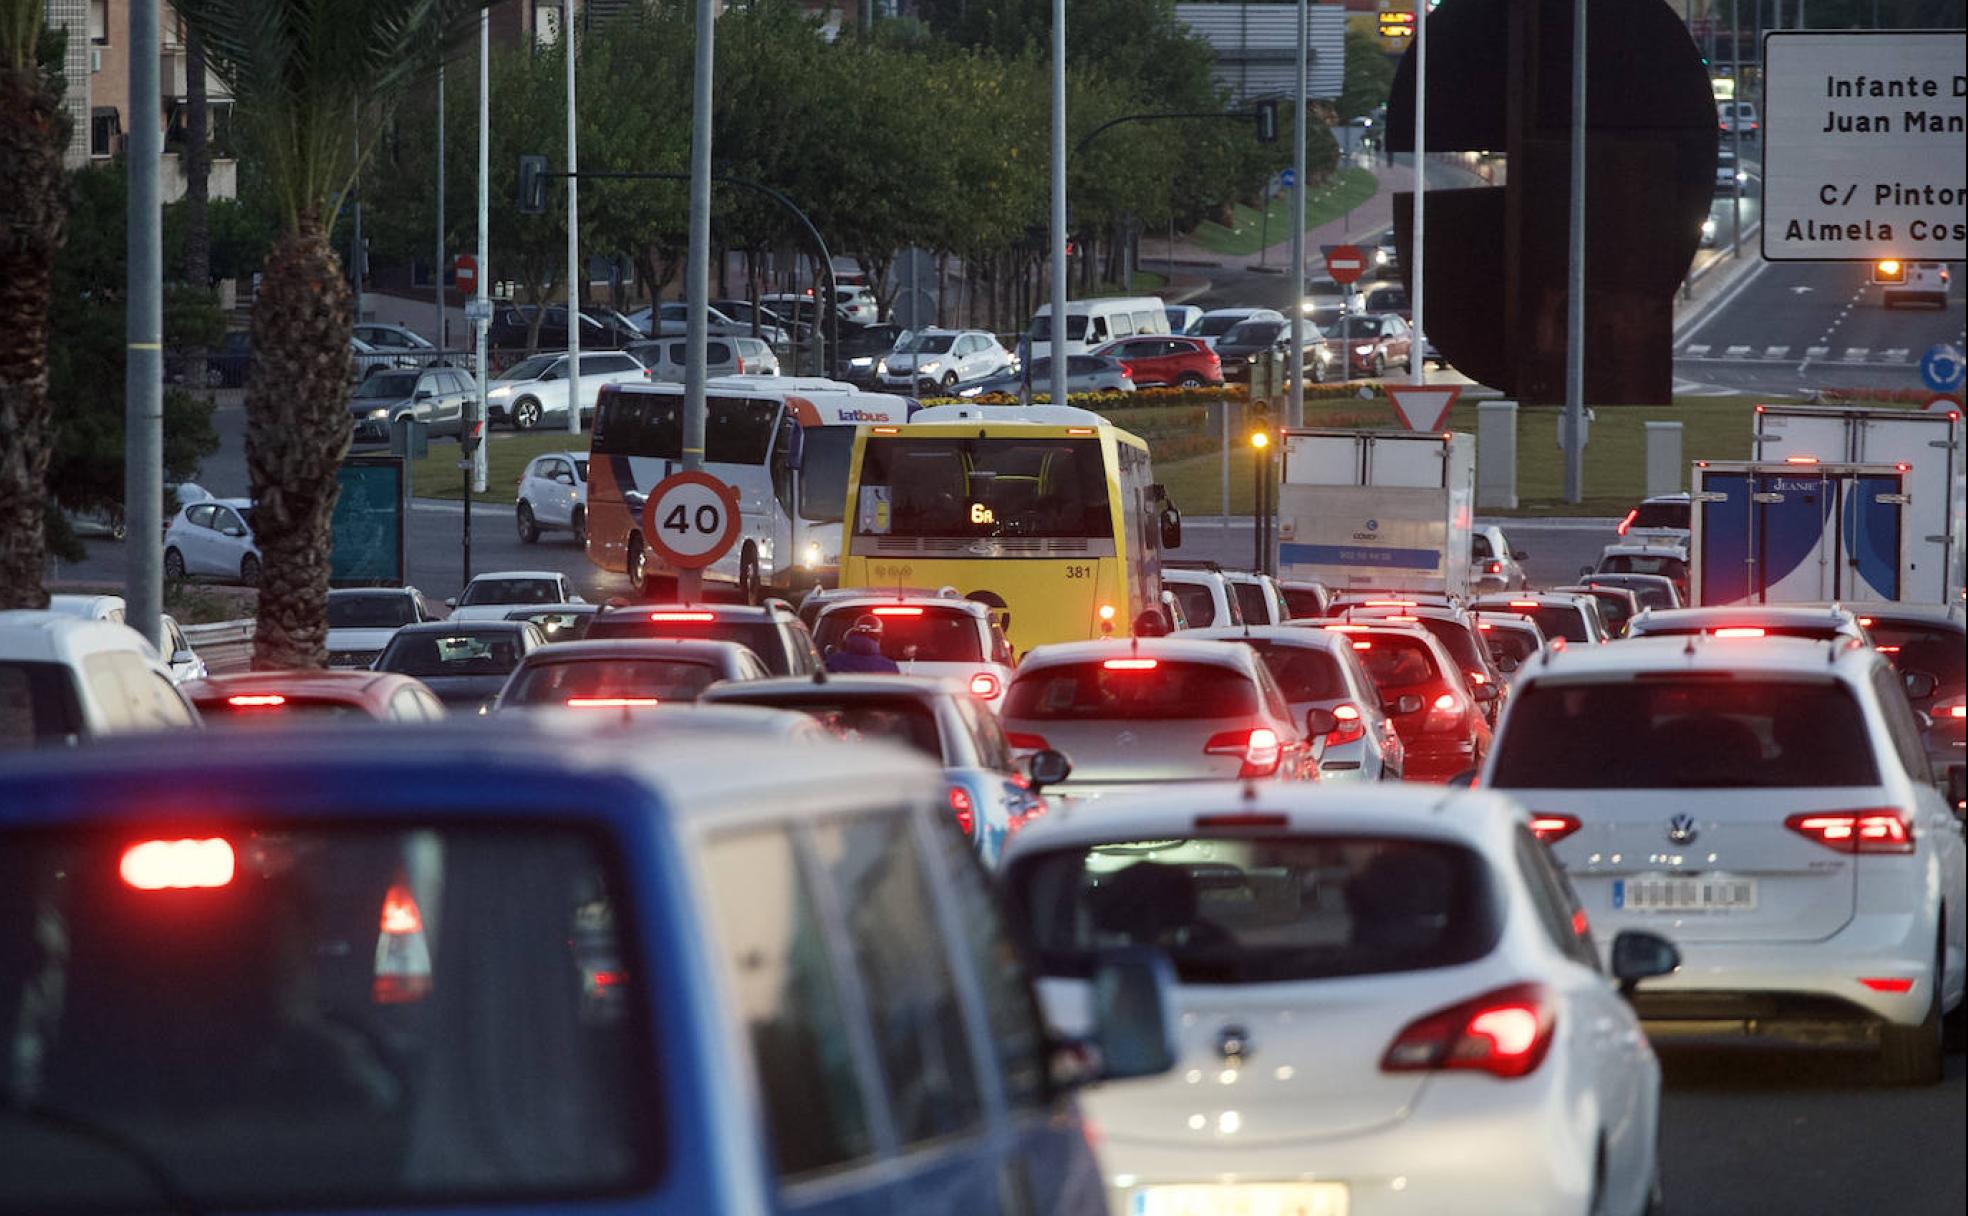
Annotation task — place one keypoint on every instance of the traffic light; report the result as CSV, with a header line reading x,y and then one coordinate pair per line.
x,y
1267,121
532,185
1889,270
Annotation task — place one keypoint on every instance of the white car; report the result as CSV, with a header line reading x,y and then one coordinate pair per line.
x,y
535,388
672,320
1767,801
943,359
1258,598
723,356
1493,563
65,677
1205,595
1219,321
1820,622
213,539
361,621
180,659
553,496
1389,1001
491,597
927,635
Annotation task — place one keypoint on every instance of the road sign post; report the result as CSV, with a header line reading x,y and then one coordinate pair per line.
x,y
691,520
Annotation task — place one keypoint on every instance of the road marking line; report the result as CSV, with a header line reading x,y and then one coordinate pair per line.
x,y
1818,352
1856,354
1895,354
1737,352
1697,351
1776,352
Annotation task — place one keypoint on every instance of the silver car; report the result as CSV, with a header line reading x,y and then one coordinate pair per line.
x,y
624,674
1084,374
1159,709
1316,669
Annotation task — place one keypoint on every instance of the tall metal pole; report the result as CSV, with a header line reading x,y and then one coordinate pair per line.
x,y
697,271
1417,292
1057,348
1299,116
574,271
1574,420
1735,132
475,425
439,336
143,368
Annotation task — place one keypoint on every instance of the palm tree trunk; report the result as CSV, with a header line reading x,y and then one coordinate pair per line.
x,y
33,207
297,431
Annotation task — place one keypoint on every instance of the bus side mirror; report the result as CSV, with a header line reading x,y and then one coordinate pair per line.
x,y
1171,527
796,448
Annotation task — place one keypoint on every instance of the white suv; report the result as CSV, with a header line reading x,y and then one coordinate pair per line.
x,y
943,358
535,388
553,496
64,678
1768,803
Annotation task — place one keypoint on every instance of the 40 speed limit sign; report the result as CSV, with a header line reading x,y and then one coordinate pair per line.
x,y
691,520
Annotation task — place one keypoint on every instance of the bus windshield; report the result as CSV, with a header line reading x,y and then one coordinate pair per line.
x,y
1018,487
823,473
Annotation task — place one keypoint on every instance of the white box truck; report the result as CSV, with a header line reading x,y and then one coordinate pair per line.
x,y
1386,510
1796,533
1928,444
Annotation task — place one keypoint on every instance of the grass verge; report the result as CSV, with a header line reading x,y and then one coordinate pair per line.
x,y
1249,230
438,476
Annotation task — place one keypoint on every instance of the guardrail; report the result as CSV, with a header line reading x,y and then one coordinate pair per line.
x,y
226,646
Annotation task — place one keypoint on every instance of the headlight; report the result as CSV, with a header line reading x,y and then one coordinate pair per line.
x,y
1363,350
882,367
505,391
932,365
1708,226
1380,257
381,413
1741,176
810,556
861,361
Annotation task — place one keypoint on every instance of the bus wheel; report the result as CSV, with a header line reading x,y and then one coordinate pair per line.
x,y
748,575
638,564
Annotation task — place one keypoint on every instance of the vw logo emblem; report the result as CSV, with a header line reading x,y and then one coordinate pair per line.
x,y
1681,829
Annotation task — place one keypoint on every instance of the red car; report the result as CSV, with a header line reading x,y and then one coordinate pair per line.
x,y
1375,342
274,697
1439,721
1159,359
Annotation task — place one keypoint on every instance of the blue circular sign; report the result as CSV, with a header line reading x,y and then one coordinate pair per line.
x,y
1286,177
1942,368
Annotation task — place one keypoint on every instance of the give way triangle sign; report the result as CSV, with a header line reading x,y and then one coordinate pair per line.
x,y
1423,407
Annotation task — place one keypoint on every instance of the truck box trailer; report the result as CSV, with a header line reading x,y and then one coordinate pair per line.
x,y
1377,509
1928,443
1783,533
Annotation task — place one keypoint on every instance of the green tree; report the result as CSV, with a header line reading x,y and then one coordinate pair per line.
x,y
303,71
33,134
1369,75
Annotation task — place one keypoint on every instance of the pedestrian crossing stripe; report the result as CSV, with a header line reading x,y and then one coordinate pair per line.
x,y
1895,354
1696,352
1737,352
1818,352
1857,354
1776,352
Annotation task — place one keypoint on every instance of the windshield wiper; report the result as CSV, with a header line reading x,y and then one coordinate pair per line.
x,y
159,1175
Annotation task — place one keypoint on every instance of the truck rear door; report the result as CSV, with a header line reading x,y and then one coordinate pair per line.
x,y
1402,460
1929,445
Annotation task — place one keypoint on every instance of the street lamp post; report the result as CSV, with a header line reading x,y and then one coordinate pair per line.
x,y
1056,349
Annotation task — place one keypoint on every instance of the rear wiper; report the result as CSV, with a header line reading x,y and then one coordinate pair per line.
x,y
172,1196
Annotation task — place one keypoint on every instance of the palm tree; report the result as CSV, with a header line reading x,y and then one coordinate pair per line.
x,y
33,134
301,72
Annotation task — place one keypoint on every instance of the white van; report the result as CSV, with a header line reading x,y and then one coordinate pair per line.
x,y
1091,323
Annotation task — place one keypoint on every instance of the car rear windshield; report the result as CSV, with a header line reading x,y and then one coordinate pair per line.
x,y
1643,563
963,487
1158,690
1813,633
1694,731
908,721
1199,606
1557,620
250,1017
1660,515
1397,662
1302,604
1303,673
1913,646
1457,640
37,704
910,632
511,591
1651,595
1517,644
1227,910
1251,601
370,611
462,653
597,679
760,637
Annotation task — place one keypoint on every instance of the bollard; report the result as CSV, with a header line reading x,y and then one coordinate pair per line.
x,y
1665,468
1496,454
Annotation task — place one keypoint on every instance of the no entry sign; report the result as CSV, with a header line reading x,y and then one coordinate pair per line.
x,y
1345,263
466,270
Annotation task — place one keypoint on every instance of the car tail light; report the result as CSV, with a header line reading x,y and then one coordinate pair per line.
x,y
1953,711
403,961
1131,664
892,610
1392,604
1873,830
1524,605
1476,677
400,912
961,807
1551,827
1351,726
1887,649
1444,714
673,617
1258,747
177,865
984,686
612,702
1886,983
256,700
1626,523
1505,1033
1496,568
1739,631
1020,741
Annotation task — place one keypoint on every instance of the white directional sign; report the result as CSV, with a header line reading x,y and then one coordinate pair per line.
x,y
1865,146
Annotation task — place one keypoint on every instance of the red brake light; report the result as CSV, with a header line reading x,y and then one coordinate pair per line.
x,y
400,913
1351,726
403,962
1020,741
1887,649
1957,711
1505,1033
1392,604
1484,625
1446,701
1873,830
1363,645
960,806
612,702
1551,827
892,610
1886,983
177,865
683,616
256,700
1131,664
984,685
1496,568
1740,631
1259,747
1524,605
1626,523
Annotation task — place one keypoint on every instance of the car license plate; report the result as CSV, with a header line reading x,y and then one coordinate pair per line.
x,y
1243,1199
1685,893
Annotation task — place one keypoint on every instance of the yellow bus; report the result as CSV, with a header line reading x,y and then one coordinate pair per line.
x,y
1050,514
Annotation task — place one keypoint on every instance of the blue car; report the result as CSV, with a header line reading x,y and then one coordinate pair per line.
x,y
534,971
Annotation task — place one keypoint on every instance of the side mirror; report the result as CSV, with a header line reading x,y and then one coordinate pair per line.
x,y
1171,527
796,448
1132,1023
1150,624
1484,692
1048,767
1639,955
1920,684
422,394
1403,705
1320,722
450,601
184,656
